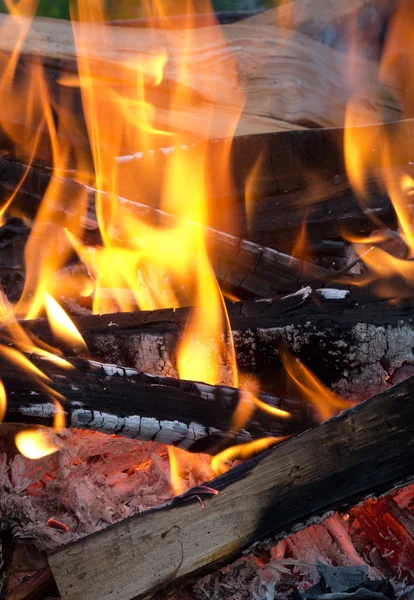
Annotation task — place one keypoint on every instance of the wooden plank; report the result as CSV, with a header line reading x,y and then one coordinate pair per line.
x,y
364,451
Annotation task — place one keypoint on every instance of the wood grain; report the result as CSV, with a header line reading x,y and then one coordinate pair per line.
x,y
364,451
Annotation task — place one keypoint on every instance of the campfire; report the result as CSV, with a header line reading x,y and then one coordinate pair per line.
x,y
206,303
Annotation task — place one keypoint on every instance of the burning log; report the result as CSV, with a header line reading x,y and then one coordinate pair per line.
x,y
116,400
327,468
353,347
263,52
241,264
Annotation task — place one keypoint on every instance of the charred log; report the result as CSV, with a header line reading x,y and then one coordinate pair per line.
x,y
116,400
354,347
364,451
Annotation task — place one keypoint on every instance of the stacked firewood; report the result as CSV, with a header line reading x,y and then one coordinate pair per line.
x,y
309,304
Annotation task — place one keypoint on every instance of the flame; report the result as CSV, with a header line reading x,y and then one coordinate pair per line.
x,y
374,150
61,324
184,466
35,443
249,402
250,192
3,401
177,482
326,403
242,452
169,266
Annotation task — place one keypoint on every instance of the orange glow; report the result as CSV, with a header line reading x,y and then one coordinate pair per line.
x,y
177,483
183,466
21,361
376,150
163,267
3,401
35,443
61,324
326,403
242,452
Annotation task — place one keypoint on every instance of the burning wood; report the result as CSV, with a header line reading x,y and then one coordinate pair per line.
x,y
129,116
181,538
354,348
122,401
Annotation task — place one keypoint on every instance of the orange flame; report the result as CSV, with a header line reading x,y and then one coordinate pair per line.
x,y
61,324
3,401
375,150
35,443
326,403
183,467
242,452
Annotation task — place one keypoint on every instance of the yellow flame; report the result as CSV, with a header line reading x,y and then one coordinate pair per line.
x,y
242,452
61,324
326,403
185,467
177,482
21,361
161,266
246,406
34,444
374,150
3,401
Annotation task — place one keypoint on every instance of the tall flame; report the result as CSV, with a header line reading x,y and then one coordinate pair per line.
x,y
375,151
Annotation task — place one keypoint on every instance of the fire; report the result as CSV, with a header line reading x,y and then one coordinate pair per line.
x,y
249,402
242,452
185,466
375,150
326,403
61,324
3,401
35,443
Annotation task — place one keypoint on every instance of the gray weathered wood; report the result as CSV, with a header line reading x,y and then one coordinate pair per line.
x,y
364,451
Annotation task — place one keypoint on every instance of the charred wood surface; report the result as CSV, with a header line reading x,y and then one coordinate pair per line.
x,y
243,265
116,400
354,347
365,451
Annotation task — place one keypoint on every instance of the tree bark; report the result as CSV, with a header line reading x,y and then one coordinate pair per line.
x,y
365,451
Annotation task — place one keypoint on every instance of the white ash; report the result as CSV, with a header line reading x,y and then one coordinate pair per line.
x,y
333,294
93,481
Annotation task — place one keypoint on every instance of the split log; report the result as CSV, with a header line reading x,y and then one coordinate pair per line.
x,y
116,400
352,346
361,23
325,469
263,55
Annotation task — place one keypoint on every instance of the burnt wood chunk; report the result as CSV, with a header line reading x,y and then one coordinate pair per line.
x,y
116,400
351,345
367,450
